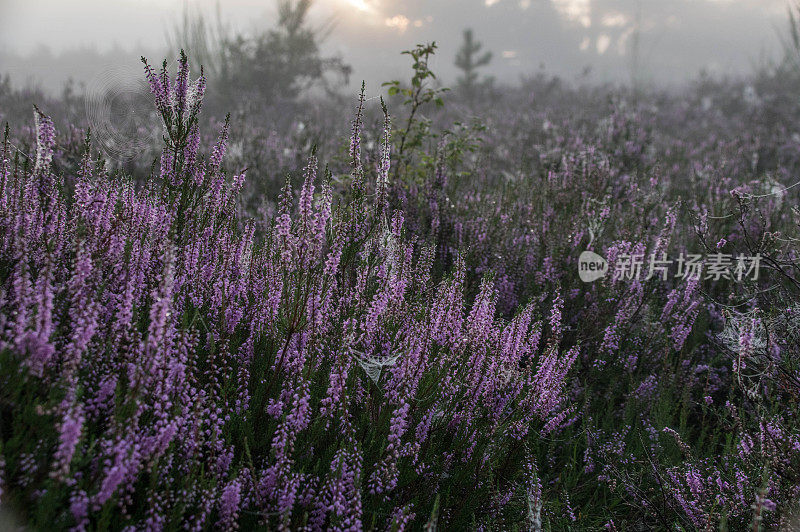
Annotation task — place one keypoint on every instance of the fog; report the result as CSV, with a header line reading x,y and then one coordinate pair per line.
x,y
662,42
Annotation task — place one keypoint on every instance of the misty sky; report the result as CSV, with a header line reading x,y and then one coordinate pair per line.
x,y
678,38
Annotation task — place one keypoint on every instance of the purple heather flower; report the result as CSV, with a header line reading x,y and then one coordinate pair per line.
x,y
229,503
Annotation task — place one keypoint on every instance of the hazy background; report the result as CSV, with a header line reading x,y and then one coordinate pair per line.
x,y
46,42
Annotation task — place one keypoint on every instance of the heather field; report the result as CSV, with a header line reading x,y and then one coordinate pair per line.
x,y
548,306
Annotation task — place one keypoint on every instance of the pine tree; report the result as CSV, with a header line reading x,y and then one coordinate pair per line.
x,y
468,60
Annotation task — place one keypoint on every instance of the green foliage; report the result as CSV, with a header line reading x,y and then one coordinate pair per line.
x,y
419,94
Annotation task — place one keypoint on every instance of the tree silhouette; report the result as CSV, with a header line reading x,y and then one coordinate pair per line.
x,y
468,60
269,65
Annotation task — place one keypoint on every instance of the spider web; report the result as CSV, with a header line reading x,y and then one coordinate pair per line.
x,y
372,365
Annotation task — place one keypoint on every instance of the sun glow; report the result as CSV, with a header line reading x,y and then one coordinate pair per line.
x,y
361,5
